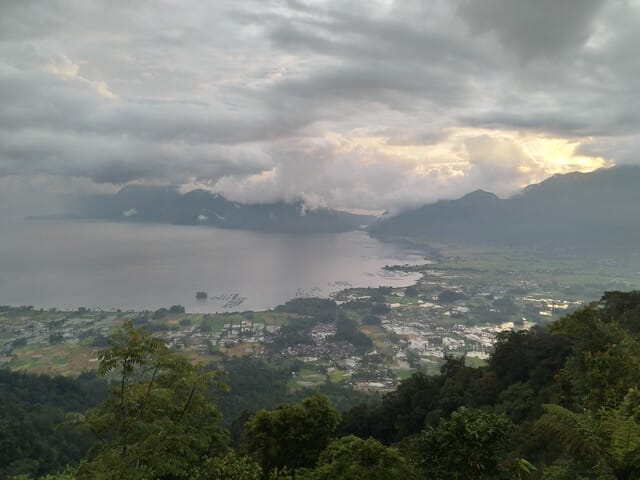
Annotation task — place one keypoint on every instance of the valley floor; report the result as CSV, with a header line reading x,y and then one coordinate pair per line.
x,y
464,298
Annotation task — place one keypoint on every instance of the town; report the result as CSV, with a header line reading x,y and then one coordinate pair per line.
x,y
366,338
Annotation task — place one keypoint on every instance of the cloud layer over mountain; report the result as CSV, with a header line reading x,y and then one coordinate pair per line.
x,y
363,104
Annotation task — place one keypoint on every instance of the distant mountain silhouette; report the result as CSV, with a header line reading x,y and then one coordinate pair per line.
x,y
577,210
138,203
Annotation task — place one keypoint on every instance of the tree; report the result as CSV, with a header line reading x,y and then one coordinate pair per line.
x,y
535,355
371,320
401,412
605,360
379,309
472,444
450,296
606,442
35,438
351,458
348,330
160,421
228,467
624,307
411,291
291,436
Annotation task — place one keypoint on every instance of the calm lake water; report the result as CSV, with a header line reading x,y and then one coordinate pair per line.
x,y
129,266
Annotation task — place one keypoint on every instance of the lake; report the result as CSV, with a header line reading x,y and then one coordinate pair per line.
x,y
140,266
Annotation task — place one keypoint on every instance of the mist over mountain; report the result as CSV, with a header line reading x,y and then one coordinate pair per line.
x,y
158,204
577,210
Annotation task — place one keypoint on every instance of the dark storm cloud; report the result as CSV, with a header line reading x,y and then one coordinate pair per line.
x,y
389,60
447,57
534,28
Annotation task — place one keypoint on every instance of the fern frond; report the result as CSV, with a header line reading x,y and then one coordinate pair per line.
x,y
579,433
623,433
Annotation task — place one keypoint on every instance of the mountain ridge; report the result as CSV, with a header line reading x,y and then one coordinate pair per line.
x,y
581,210
166,204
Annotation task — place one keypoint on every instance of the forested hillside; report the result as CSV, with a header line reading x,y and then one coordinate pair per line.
x,y
34,436
555,402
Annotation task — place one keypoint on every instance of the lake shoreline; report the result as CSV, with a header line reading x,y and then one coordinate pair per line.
x,y
121,265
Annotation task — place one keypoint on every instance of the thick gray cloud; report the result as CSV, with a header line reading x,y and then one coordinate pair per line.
x,y
534,28
366,104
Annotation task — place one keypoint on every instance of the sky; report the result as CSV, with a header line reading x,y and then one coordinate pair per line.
x,y
362,105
